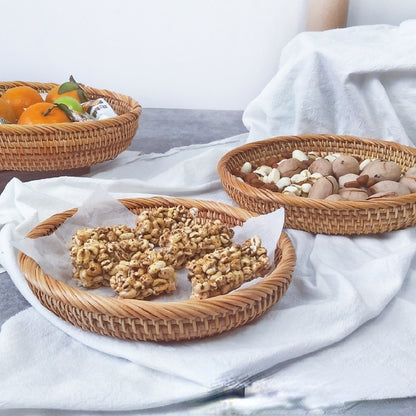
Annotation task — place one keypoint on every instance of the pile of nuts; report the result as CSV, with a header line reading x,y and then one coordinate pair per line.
x,y
335,177
142,261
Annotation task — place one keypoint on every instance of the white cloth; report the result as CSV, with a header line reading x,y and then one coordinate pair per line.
x,y
351,300
359,81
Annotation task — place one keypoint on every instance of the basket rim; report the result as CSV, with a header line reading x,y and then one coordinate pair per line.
x,y
277,197
134,112
132,308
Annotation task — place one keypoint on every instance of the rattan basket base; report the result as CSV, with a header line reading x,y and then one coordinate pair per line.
x,y
161,321
315,215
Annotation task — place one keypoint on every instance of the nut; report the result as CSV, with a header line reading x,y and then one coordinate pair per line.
x,y
283,182
411,172
246,168
364,163
345,164
323,187
289,167
410,182
334,197
305,188
273,176
300,155
390,186
380,171
363,180
263,170
322,166
294,190
386,194
349,177
353,194
299,178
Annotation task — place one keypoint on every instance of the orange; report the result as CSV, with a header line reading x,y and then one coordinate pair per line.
x,y
21,98
43,113
7,112
70,88
53,94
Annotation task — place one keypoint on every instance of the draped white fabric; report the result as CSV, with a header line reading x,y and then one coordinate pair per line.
x,y
343,332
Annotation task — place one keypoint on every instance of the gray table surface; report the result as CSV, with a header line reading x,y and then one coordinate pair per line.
x,y
159,131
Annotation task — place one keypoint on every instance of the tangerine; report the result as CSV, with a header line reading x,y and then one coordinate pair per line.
x,y
70,88
7,112
54,94
21,97
43,113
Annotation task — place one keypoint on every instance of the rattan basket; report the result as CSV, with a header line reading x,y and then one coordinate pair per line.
x,y
315,215
68,145
161,321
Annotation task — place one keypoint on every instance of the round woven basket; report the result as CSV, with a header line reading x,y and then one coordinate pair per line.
x,y
69,145
317,215
161,321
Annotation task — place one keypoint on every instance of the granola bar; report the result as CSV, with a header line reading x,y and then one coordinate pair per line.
x,y
96,251
152,223
143,276
187,242
226,269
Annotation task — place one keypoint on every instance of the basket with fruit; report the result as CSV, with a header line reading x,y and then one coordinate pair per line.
x,y
49,126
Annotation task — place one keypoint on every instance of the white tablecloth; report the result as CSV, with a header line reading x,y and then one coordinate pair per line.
x,y
343,332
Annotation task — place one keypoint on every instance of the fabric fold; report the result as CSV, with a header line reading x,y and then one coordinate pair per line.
x,y
351,300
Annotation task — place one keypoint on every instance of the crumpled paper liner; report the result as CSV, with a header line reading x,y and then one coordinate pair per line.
x,y
53,255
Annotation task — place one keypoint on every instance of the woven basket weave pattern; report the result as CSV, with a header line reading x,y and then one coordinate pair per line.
x,y
68,145
161,321
320,216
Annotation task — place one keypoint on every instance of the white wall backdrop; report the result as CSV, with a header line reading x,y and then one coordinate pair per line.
x,y
164,53
393,12
206,54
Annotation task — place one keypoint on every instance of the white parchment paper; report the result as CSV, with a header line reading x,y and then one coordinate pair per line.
x,y
53,255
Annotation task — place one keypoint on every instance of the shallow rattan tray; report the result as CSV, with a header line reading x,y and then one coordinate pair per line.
x,y
315,215
68,145
161,321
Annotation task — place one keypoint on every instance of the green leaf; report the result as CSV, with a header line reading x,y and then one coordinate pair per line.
x,y
82,96
67,86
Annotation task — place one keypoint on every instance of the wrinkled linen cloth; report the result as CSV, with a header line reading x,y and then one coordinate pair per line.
x,y
358,81
343,332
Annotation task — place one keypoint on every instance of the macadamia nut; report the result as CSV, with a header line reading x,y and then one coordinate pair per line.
x,y
314,175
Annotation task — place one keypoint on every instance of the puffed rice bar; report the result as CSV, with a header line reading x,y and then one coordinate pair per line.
x,y
96,251
187,242
152,223
143,276
226,269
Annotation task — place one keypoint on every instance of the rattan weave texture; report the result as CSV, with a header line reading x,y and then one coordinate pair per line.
x,y
315,215
161,321
68,145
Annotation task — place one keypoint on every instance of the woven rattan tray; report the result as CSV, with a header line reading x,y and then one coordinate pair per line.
x,y
68,145
315,215
161,321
